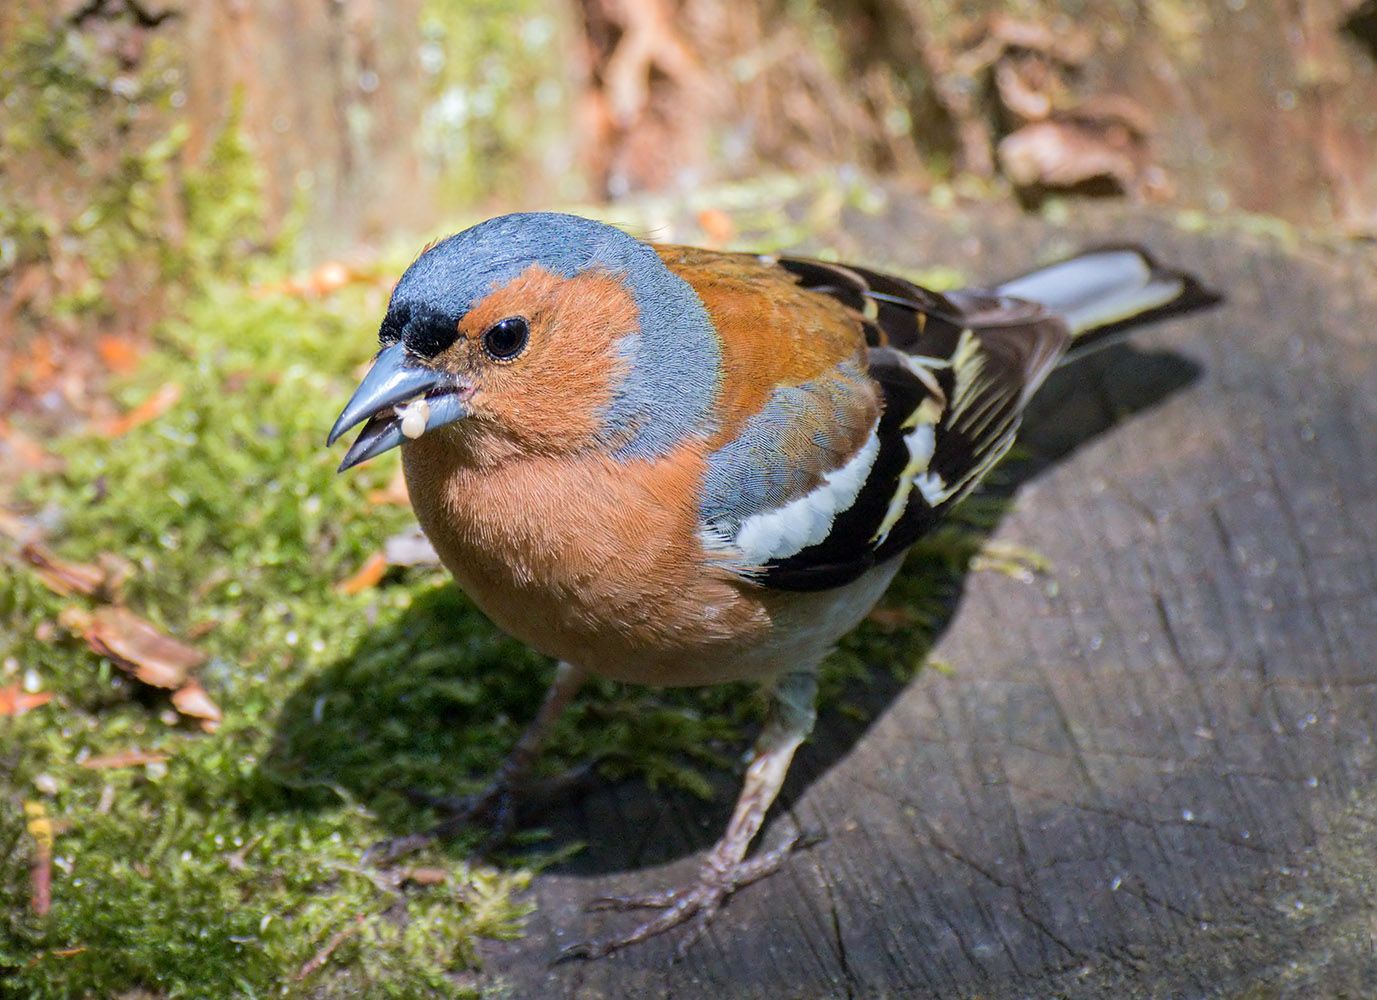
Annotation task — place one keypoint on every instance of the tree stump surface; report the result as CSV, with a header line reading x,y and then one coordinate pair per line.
x,y
1149,772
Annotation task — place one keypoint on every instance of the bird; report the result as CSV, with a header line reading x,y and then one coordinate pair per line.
x,y
677,466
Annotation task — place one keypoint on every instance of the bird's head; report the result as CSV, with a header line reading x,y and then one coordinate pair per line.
x,y
542,334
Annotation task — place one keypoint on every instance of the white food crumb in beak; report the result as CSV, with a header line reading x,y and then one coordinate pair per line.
x,y
414,416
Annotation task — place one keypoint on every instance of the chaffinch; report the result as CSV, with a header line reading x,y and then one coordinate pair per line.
x,y
675,466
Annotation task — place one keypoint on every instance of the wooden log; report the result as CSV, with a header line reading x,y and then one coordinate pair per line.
x,y
1149,773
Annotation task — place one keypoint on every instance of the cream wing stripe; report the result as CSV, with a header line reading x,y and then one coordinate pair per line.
x,y
780,533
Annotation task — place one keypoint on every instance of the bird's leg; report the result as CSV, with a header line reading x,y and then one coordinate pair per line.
x,y
788,721
497,801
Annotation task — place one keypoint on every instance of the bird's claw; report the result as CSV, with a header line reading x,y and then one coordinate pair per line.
x,y
694,904
497,806
496,803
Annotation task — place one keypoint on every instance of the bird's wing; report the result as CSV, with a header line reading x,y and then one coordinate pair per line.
x,y
955,371
820,483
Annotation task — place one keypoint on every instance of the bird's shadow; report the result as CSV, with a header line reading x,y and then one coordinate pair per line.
x,y
432,698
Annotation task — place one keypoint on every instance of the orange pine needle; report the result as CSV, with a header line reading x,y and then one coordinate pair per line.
x,y
150,409
366,576
14,700
125,758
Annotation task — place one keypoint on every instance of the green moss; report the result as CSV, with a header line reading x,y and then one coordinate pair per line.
x,y
498,102
231,510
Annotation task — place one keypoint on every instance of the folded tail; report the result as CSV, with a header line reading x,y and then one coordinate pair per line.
x,y
1105,292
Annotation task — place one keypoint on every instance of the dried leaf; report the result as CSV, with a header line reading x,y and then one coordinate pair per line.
x,y
74,619
323,956
61,576
366,576
14,700
120,353
1065,154
135,645
1027,88
718,227
151,408
126,758
1104,140
999,35
329,276
202,628
425,876
191,700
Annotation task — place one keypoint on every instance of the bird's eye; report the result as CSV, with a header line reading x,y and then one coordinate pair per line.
x,y
507,338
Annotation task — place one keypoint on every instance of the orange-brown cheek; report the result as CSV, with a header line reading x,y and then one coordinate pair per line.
x,y
553,394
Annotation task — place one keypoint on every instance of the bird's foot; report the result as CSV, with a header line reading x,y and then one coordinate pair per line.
x,y
496,806
694,904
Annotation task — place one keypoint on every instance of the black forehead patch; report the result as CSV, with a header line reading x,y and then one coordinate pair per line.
x,y
428,332
425,331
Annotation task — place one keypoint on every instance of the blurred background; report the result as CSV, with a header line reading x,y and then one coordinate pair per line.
x,y
145,138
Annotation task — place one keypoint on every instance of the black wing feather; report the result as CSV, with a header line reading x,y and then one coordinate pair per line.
x,y
963,364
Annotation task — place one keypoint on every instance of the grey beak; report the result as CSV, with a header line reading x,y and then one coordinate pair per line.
x,y
389,382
